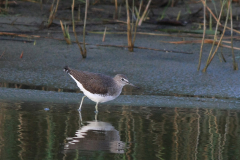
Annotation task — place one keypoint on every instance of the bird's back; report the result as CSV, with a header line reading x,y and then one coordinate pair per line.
x,y
92,82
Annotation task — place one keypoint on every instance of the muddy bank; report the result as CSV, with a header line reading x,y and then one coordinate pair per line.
x,y
44,97
156,72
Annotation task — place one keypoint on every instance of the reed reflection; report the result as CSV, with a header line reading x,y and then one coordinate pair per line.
x,y
27,131
95,136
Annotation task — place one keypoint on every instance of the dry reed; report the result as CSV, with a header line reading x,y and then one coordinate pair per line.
x,y
74,31
211,55
53,11
65,33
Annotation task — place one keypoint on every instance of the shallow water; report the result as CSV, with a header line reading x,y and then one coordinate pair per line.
x,y
56,131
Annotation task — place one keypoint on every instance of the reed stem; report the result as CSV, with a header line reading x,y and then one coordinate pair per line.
x,y
220,40
204,31
235,66
74,31
84,29
129,34
116,10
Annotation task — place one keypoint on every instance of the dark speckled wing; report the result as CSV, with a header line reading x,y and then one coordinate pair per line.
x,y
93,82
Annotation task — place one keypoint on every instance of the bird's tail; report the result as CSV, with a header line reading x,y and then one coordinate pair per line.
x,y
66,69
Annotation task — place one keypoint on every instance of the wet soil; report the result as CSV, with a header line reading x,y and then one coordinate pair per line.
x,y
39,61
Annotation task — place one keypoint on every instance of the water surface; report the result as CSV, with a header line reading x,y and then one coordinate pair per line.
x,y
56,131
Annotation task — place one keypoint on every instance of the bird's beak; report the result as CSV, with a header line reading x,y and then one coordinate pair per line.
x,y
133,85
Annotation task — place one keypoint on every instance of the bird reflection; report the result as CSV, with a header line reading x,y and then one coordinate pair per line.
x,y
95,136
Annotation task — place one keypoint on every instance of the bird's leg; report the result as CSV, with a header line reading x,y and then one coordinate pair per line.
x,y
96,114
79,109
80,118
96,107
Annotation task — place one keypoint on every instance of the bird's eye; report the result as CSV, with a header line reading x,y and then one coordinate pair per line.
x,y
122,79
